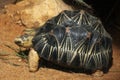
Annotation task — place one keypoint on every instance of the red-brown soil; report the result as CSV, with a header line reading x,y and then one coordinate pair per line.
x,y
13,67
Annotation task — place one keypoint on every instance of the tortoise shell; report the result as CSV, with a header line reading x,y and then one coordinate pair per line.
x,y
75,39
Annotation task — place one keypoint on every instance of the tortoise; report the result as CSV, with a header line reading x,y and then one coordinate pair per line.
x,y
74,39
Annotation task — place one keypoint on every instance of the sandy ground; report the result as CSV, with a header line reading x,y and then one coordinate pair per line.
x,y
13,67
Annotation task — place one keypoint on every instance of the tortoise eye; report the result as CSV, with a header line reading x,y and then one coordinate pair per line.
x,y
25,37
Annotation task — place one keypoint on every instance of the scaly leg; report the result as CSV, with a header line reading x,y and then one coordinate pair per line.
x,y
33,59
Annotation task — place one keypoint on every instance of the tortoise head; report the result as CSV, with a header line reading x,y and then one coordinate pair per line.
x,y
25,40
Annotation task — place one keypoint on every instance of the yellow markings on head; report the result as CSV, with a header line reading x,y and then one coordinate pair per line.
x,y
25,40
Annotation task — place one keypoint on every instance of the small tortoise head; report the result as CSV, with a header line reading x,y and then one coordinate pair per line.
x,y
25,40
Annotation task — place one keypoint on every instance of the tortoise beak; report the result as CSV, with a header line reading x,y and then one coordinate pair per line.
x,y
18,41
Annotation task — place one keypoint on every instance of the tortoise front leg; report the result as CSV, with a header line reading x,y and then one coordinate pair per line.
x,y
33,59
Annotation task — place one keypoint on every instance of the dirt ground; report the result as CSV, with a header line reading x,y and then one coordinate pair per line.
x,y
13,67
